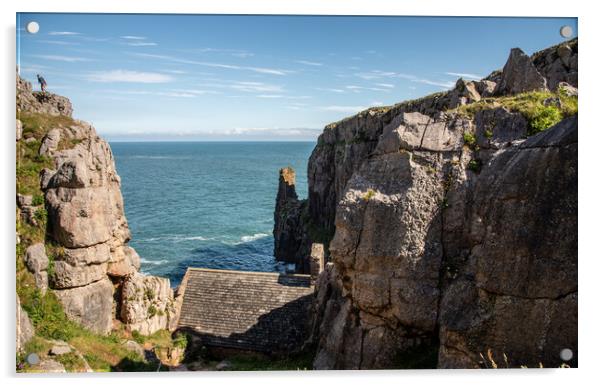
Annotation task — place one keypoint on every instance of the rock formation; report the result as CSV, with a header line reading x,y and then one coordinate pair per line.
x,y
87,230
450,229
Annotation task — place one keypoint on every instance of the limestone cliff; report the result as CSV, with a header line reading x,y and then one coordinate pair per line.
x,y
454,222
82,253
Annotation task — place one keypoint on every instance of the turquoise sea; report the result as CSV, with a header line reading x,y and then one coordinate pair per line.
x,y
205,204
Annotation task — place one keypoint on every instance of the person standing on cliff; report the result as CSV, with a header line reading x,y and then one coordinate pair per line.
x,y
42,82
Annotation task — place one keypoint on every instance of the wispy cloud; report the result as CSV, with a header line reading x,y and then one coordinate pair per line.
x,y
337,90
386,85
228,51
245,86
63,33
465,75
61,58
58,42
309,63
357,89
261,70
137,41
171,93
377,74
141,44
268,131
125,76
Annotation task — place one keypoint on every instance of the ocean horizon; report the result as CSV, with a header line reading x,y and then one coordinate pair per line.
x,y
206,204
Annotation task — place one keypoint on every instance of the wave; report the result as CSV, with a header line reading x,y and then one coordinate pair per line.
x,y
247,239
256,236
153,262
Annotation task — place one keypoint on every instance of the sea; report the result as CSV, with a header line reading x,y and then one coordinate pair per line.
x,y
205,204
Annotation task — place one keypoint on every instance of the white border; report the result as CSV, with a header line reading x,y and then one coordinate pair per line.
x,y
590,355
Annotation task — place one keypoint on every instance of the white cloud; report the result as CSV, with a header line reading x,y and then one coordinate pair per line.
x,y
377,74
171,94
270,96
125,76
261,70
61,58
309,63
359,88
63,33
268,131
465,75
337,90
387,85
131,37
58,42
141,44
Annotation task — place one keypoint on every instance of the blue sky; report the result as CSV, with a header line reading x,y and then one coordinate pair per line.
x,y
204,77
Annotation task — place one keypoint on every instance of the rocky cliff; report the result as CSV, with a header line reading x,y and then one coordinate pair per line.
x,y
454,222
72,230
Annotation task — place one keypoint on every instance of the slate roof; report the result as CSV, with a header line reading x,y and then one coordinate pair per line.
x,y
256,311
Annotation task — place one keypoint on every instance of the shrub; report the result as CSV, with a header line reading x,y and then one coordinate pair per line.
x,y
180,341
469,139
369,194
152,310
475,165
37,200
543,117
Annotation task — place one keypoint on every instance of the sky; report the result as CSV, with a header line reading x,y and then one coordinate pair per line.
x,y
236,78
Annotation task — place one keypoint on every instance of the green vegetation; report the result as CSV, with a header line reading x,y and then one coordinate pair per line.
x,y
37,200
542,109
369,194
475,165
469,139
258,363
103,353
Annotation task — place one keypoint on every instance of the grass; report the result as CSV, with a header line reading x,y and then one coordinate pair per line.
x,y
531,105
302,361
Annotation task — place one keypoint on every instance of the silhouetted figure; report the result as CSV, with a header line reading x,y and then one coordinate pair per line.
x,y
42,82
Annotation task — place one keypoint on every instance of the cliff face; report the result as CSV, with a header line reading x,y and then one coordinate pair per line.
x,y
85,243
450,229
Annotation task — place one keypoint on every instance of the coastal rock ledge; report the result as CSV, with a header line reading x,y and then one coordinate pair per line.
x,y
452,223
87,233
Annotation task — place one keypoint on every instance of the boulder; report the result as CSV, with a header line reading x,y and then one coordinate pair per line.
x,y
19,130
37,263
485,88
124,262
134,347
520,75
25,330
50,142
49,366
147,304
90,305
24,200
59,347
567,89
